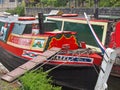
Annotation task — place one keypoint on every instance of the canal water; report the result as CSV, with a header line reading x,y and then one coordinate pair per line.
x,y
114,83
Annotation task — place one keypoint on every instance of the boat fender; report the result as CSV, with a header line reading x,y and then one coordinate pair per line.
x,y
83,44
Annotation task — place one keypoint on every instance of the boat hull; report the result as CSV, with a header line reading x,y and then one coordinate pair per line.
x,y
71,76
9,60
75,77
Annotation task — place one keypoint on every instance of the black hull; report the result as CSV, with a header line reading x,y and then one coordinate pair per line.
x,y
77,78
72,77
9,60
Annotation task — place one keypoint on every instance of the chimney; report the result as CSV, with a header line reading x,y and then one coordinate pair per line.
x,y
41,26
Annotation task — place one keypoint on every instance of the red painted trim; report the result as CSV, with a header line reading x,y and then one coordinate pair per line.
x,y
69,15
10,29
14,50
26,18
18,52
59,42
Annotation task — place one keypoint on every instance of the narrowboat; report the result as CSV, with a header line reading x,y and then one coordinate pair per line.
x,y
107,28
24,38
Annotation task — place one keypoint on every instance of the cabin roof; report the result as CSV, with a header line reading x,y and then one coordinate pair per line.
x,y
109,17
59,32
12,19
78,18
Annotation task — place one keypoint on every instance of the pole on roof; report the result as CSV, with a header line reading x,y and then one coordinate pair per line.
x,y
96,9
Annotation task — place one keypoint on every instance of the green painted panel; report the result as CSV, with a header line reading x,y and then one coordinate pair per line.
x,y
84,33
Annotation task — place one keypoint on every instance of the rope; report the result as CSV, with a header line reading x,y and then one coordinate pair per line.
x,y
95,69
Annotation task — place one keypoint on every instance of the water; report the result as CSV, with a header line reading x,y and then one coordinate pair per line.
x,y
113,83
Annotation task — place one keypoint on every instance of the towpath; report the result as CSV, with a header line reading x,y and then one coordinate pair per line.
x,y
4,85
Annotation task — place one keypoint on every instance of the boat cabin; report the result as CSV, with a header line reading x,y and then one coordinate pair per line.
x,y
102,28
25,36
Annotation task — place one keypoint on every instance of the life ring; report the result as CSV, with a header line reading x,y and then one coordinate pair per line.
x,y
69,15
26,18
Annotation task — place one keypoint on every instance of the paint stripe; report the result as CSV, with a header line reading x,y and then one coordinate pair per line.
x,y
95,36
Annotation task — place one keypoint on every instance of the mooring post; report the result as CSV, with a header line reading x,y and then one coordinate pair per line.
x,y
106,66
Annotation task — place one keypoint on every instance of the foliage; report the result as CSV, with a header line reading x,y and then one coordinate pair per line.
x,y
37,81
47,3
109,3
79,3
12,11
20,10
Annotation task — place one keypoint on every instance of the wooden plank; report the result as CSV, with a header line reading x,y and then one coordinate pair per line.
x,y
11,76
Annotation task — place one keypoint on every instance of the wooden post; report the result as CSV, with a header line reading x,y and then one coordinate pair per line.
x,y
106,66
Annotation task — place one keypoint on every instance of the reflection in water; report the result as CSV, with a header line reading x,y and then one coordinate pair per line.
x,y
114,83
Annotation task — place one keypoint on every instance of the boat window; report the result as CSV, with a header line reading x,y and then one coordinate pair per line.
x,y
1,1
84,33
1,24
28,29
18,28
3,31
50,26
58,23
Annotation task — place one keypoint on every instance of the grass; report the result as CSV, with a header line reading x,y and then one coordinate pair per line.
x,y
33,80
8,86
38,80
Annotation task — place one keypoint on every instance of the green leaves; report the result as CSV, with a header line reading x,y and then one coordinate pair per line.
x,y
109,3
37,81
80,3
20,10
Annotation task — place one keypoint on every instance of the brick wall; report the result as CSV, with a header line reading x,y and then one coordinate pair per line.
x,y
8,5
101,11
